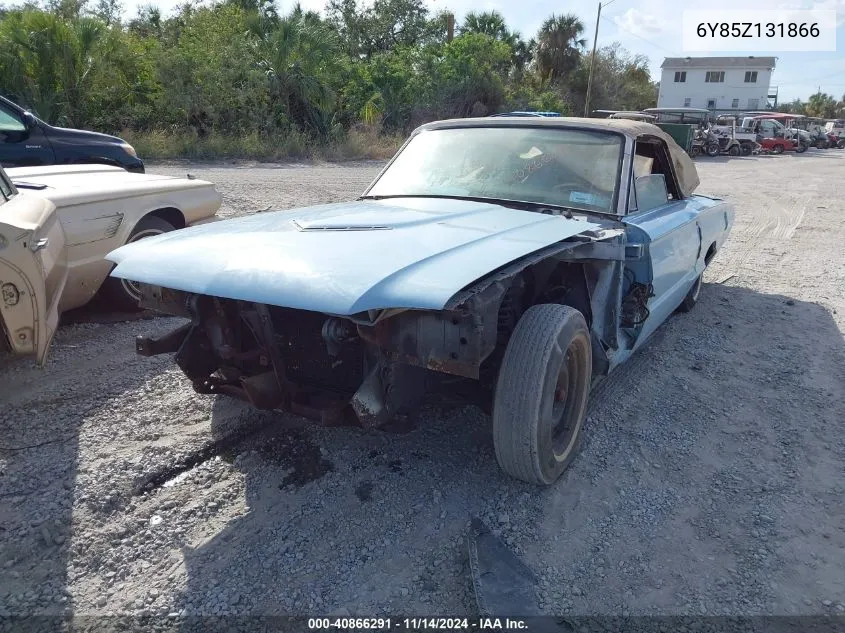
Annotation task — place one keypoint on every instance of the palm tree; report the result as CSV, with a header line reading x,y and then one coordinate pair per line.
x,y
559,46
49,62
490,23
299,57
821,105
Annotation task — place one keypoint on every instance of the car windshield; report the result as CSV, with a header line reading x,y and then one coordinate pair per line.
x,y
577,169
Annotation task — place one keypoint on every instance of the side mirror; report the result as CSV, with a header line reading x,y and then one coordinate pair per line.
x,y
29,120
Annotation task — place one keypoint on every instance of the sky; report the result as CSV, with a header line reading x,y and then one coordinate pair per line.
x,y
647,27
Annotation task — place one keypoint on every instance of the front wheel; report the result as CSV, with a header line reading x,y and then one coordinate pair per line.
x,y
713,149
801,149
692,296
777,149
542,392
841,144
735,150
121,294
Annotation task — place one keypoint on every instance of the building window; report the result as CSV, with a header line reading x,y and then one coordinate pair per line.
x,y
753,104
711,103
751,76
715,77
735,103
687,102
680,76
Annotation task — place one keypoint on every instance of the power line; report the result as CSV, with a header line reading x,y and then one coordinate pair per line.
x,y
672,54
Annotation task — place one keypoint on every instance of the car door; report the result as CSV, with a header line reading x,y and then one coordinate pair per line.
x,y
663,226
33,271
22,143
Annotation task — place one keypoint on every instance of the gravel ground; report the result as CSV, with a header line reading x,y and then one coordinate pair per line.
x,y
710,480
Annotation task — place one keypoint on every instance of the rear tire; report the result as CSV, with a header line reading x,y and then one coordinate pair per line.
x,y
542,393
713,149
735,150
120,294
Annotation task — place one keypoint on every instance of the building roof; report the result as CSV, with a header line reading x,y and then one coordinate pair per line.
x,y
719,62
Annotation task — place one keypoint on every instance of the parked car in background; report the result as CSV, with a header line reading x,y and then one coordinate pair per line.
x,y
26,140
523,258
58,223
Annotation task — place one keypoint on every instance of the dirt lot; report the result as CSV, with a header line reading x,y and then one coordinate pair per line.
x,y
710,480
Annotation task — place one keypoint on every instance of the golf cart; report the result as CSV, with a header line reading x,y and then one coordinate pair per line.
x,y
689,128
732,139
814,126
835,128
773,134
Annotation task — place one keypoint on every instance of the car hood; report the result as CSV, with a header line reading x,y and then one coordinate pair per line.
x,y
80,184
345,258
62,133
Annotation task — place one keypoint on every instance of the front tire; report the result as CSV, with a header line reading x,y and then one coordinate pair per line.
x,y
123,295
692,296
713,150
777,149
542,393
735,150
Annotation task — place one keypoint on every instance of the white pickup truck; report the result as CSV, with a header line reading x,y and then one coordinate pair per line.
x,y
57,224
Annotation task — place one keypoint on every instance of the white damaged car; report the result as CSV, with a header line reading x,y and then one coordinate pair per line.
x,y
56,226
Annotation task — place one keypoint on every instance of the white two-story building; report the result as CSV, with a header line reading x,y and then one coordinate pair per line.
x,y
720,84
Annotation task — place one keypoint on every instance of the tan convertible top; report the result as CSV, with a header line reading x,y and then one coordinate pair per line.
x,y
683,164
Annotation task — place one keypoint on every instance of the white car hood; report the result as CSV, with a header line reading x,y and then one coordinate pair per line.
x,y
80,184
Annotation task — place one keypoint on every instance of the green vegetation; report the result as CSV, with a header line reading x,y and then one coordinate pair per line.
x,y
818,105
236,79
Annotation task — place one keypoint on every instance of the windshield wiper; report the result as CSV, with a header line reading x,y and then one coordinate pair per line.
x,y
523,205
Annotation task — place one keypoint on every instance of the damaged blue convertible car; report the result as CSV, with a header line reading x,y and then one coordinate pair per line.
x,y
525,258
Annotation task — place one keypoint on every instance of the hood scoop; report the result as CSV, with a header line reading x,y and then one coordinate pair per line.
x,y
337,226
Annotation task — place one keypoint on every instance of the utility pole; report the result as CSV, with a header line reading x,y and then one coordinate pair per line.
x,y
450,27
593,61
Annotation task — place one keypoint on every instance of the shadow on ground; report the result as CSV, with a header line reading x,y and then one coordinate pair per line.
x,y
352,522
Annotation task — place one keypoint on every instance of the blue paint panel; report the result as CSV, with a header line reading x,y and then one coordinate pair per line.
x,y
351,257
677,236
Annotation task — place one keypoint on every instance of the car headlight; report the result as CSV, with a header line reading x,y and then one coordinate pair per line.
x,y
129,150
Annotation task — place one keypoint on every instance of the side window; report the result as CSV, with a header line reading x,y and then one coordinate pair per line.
x,y
10,121
651,191
654,181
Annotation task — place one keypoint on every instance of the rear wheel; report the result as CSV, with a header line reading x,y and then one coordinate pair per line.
x,y
713,149
746,149
735,150
542,392
121,294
